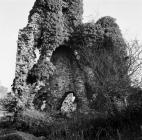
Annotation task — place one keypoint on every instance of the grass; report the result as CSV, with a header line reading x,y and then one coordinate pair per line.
x,y
123,125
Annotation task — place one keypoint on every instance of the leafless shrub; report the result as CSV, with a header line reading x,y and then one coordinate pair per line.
x,y
134,50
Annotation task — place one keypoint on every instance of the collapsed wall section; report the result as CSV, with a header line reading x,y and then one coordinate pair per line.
x,y
102,51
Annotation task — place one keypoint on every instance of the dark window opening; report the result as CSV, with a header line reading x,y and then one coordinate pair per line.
x,y
31,79
65,10
64,50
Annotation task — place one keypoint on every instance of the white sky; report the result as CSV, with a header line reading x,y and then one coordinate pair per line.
x,y
14,15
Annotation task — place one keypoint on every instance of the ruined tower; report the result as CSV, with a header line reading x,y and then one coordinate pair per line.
x,y
66,50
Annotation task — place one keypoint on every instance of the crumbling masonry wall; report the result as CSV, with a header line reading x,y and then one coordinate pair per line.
x,y
73,57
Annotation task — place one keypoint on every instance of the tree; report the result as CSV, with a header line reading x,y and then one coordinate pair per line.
x,y
3,91
134,59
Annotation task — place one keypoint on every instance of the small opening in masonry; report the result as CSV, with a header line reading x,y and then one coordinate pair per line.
x,y
31,79
64,10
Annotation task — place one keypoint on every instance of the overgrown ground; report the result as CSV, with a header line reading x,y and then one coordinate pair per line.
x,y
122,125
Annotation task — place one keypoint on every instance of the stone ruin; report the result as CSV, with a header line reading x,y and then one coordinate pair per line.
x,y
58,55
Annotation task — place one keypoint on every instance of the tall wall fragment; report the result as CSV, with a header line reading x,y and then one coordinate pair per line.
x,y
73,57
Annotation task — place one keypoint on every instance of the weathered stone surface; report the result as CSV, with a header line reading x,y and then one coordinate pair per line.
x,y
69,104
83,58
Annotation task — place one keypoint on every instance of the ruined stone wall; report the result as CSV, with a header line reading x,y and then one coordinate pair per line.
x,y
27,40
85,59
66,77
50,24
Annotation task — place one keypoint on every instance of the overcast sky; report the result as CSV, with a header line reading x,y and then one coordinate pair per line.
x,y
14,14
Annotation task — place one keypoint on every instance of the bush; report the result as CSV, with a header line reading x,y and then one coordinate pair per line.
x,y
9,103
